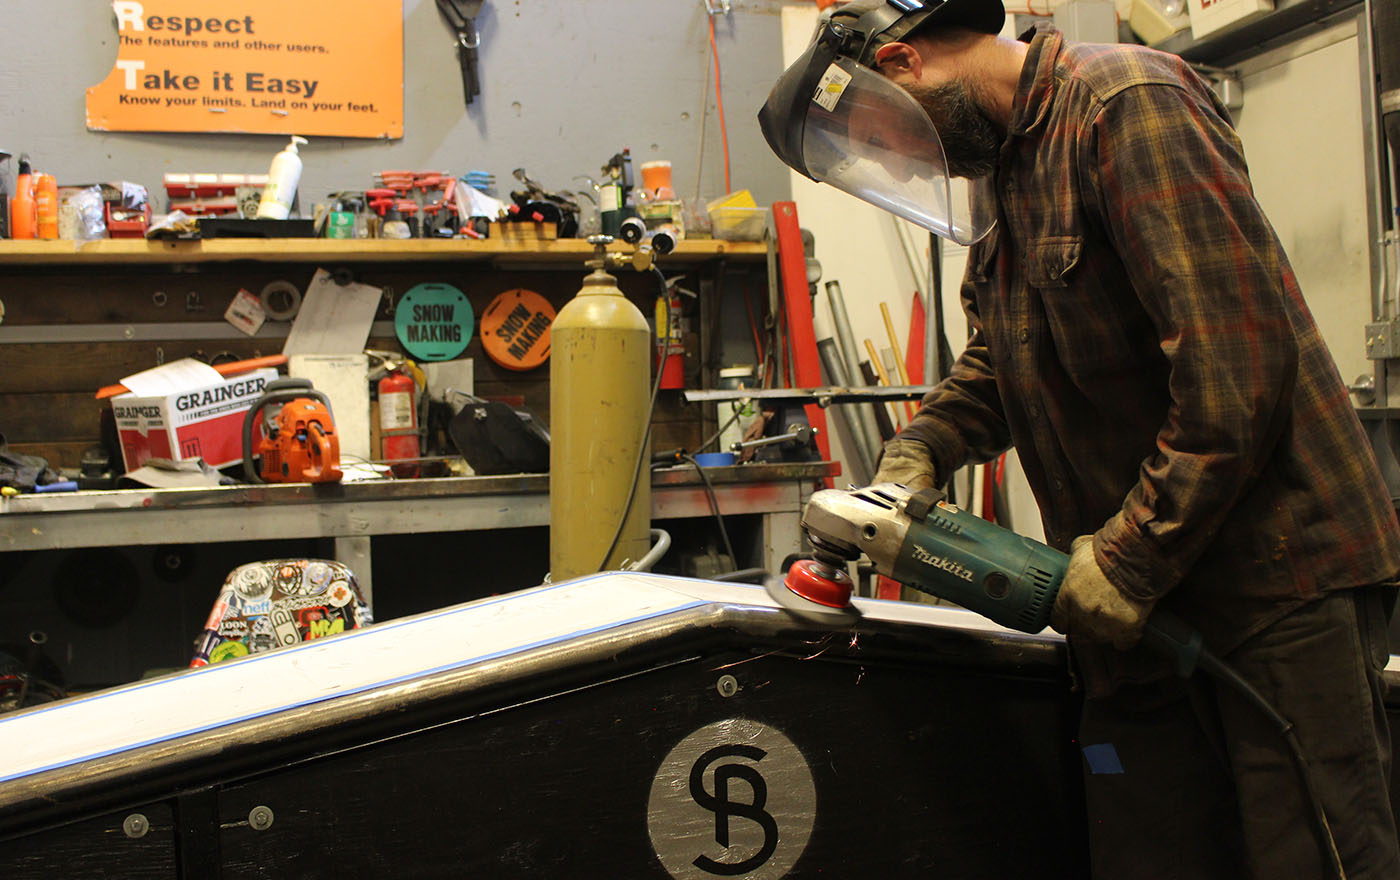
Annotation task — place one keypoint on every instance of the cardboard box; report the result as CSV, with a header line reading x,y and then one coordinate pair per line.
x,y
203,421
1209,16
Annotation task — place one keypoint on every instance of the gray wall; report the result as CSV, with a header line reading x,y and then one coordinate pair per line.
x,y
566,84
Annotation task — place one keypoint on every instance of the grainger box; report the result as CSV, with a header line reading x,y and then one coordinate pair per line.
x,y
198,422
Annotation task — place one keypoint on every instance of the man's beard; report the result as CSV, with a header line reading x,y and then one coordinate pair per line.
x,y
971,141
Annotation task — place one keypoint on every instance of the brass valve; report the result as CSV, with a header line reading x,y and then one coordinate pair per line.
x,y
641,258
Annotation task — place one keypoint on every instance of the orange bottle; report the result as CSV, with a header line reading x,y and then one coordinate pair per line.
x,y
46,205
24,217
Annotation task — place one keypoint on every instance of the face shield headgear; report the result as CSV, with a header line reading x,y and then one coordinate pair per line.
x,y
836,120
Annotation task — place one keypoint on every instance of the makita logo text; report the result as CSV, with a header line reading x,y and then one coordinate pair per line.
x,y
942,562
137,412
231,391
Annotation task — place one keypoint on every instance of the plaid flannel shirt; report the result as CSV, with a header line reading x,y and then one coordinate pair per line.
x,y
1138,334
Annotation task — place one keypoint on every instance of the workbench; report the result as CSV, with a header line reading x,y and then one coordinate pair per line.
x,y
144,565
78,316
351,513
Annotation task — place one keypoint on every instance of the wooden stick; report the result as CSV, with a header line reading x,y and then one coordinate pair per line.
x,y
884,378
898,356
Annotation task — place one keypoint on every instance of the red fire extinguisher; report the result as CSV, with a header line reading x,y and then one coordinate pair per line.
x,y
398,421
670,359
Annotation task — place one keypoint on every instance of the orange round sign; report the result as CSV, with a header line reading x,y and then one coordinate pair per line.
x,y
515,329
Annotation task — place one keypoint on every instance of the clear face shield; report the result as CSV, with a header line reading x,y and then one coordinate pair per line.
x,y
841,123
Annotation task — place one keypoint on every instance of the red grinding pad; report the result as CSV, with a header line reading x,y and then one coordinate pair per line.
x,y
818,582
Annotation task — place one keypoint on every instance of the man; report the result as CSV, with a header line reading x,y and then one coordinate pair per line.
x,y
1139,337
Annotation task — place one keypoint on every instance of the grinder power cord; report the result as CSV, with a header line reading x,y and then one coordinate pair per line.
x,y
925,543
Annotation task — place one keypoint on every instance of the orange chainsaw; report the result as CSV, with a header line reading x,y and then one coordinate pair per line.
x,y
298,444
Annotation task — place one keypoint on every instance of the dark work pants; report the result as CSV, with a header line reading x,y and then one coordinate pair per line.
x,y
1187,780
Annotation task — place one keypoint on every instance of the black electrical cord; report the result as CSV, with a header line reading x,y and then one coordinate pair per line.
x,y
714,507
715,436
665,332
1180,641
1326,842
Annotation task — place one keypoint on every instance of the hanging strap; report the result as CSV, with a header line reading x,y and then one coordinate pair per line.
x,y
461,17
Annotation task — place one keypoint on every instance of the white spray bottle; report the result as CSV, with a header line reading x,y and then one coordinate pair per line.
x,y
282,180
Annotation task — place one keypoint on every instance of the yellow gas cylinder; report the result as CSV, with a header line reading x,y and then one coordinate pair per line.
x,y
599,375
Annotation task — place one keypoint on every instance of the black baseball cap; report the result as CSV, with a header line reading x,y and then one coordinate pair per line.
x,y
878,22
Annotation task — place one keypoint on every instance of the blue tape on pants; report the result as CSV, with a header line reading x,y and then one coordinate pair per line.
x,y
1103,758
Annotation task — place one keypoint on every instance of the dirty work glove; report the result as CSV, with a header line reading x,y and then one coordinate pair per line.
x,y
907,462
1091,607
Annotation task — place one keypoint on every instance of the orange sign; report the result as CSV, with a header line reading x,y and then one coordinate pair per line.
x,y
515,329
310,67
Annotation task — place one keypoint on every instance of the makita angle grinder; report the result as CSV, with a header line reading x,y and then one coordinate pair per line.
x,y
935,547
938,548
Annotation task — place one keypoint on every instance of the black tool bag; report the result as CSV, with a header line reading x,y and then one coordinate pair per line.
x,y
496,438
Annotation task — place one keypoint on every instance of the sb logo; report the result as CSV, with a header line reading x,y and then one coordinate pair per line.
x,y
733,799
724,808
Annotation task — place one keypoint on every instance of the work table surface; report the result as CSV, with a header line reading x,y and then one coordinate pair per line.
x,y
261,512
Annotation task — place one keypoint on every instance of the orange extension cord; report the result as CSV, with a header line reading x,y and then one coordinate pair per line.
x,y
719,105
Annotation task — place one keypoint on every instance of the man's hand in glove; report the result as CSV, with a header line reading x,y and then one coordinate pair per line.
x,y
1091,607
907,462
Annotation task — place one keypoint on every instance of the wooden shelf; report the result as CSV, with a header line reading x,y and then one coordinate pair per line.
x,y
131,251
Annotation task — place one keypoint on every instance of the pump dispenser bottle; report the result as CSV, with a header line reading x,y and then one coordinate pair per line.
x,y
4,194
24,213
282,180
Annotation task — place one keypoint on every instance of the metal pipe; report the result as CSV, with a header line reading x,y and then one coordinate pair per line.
x,y
930,336
852,440
1379,75
929,289
1371,144
841,320
1375,157
847,339
906,249
658,550
801,434
824,396
1393,238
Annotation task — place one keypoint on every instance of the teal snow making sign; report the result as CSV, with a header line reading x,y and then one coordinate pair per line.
x,y
434,321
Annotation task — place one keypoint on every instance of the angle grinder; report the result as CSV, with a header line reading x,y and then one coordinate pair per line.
x,y
938,548
935,547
